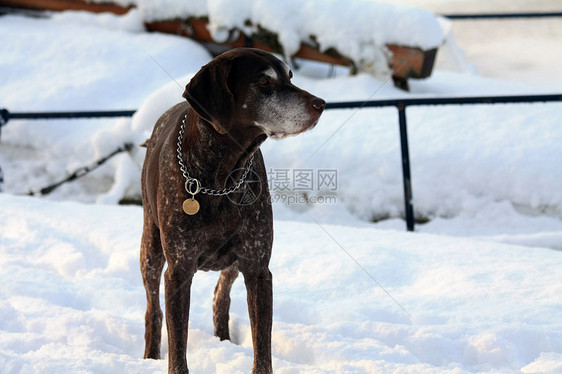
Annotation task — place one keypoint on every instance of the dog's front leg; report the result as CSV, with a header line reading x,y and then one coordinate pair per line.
x,y
260,307
178,278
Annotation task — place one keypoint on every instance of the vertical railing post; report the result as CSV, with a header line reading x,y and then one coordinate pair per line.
x,y
4,116
407,179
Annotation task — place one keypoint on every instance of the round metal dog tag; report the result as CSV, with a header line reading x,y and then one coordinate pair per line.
x,y
190,206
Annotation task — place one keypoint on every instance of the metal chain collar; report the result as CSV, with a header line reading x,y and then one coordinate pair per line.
x,y
191,183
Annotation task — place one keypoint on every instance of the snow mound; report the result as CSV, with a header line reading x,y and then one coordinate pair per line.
x,y
358,22
364,27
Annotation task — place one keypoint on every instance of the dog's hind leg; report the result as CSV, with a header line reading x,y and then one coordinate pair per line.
x,y
221,301
152,262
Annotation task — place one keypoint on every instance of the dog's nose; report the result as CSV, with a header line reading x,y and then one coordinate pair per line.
x,y
318,104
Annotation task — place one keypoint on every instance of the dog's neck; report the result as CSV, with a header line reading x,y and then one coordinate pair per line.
x,y
217,159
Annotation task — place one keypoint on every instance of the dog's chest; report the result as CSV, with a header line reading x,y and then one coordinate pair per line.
x,y
219,239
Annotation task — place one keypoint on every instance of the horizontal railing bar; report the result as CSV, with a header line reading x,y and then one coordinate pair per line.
x,y
503,15
78,114
6,115
445,101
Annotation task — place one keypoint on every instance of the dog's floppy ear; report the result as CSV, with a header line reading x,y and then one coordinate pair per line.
x,y
209,95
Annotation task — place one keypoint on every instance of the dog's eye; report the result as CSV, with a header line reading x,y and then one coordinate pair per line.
x,y
265,81
290,74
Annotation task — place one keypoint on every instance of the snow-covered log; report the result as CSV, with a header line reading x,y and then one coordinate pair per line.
x,y
368,36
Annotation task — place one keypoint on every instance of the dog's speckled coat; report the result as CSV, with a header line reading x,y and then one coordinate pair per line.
x,y
233,104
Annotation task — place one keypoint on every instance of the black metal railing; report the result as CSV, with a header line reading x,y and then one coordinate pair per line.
x,y
503,15
400,104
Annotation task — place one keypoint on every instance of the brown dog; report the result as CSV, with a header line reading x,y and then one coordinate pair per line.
x,y
202,156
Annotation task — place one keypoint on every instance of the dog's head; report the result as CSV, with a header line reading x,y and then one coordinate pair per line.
x,y
249,87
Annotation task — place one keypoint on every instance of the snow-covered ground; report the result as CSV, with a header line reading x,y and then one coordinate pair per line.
x,y
72,299
476,289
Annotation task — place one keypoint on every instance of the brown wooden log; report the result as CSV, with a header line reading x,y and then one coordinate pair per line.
x,y
60,5
408,62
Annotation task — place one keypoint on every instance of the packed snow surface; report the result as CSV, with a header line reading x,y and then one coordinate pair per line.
x,y
476,289
72,299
